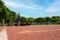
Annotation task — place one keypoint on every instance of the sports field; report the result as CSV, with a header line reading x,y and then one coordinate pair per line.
x,y
34,32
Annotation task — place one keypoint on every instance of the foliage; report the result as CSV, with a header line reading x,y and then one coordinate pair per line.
x,y
6,15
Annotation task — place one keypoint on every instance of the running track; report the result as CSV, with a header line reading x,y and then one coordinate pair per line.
x,y
49,32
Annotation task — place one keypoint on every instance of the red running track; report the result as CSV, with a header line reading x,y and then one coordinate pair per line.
x,y
50,32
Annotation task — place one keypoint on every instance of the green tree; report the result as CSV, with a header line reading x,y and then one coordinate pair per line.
x,y
23,20
30,20
5,14
40,20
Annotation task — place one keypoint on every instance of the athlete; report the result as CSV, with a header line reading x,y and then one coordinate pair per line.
x,y
19,19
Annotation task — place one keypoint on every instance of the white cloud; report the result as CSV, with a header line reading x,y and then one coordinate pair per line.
x,y
8,3
55,7
51,10
20,5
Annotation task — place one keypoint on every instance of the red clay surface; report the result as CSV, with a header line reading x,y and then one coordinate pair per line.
x,y
34,32
1,28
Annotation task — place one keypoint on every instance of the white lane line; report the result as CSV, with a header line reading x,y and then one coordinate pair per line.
x,y
3,34
29,31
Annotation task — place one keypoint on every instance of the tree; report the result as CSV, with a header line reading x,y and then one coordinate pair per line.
x,y
2,11
40,20
30,20
56,19
23,20
5,14
48,20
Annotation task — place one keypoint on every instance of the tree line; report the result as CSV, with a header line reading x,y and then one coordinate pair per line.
x,y
9,17
41,20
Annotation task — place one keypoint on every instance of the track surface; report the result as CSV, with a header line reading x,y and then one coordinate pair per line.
x,y
34,32
41,32
1,28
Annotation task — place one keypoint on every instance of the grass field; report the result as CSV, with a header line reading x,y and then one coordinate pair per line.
x,y
34,32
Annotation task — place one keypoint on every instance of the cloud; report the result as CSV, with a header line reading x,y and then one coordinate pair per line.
x,y
53,8
29,8
50,9
21,5
8,3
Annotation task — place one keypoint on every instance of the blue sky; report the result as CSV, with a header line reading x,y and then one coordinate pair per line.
x,y
34,8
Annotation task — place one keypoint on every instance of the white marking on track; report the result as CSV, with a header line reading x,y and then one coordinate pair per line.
x,y
3,34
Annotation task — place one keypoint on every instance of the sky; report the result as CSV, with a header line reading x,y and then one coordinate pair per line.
x,y
34,8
